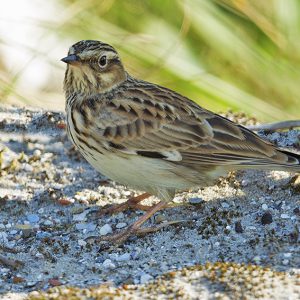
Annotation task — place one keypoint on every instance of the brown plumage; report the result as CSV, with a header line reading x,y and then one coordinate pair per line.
x,y
149,137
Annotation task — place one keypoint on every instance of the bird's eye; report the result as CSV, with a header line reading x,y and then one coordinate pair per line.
x,y
103,61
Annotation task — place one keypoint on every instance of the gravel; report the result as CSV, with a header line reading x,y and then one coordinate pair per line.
x,y
48,195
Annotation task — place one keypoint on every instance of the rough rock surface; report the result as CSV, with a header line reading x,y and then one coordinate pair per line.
x,y
49,236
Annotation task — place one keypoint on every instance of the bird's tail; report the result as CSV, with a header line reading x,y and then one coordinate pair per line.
x,y
292,161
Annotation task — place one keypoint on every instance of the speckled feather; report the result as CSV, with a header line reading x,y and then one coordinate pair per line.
x,y
150,137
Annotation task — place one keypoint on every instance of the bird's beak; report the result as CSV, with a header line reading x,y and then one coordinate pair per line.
x,y
71,59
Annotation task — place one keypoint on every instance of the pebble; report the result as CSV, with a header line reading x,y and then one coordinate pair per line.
x,y
48,223
121,225
33,218
264,206
145,278
41,210
285,262
13,232
108,264
225,205
88,227
266,218
123,257
80,217
3,238
28,168
287,255
2,226
42,235
196,200
106,229
245,182
256,259
81,243
284,216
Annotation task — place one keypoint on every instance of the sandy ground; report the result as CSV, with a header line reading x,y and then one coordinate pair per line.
x,y
238,239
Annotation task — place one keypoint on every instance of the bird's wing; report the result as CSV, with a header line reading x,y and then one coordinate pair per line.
x,y
159,123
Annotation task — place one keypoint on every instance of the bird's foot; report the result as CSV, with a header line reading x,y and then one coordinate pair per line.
x,y
122,236
132,203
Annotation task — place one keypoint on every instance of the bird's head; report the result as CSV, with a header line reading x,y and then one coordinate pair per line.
x,y
92,67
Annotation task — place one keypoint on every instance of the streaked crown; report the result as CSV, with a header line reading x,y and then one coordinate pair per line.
x,y
93,67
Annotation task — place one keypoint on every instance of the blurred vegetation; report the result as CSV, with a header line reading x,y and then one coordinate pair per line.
x,y
224,54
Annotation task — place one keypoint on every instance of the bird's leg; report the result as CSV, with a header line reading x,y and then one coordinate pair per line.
x,y
132,203
134,228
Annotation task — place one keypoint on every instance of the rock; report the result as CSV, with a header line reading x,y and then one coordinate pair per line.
x,y
284,216
48,223
81,243
33,218
196,201
145,278
266,218
123,257
285,262
106,229
3,238
121,225
108,264
88,227
80,217
43,234
264,206
225,205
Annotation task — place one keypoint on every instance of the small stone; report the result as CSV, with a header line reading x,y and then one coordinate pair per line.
x,y
3,238
264,206
266,218
121,225
43,234
238,227
256,259
2,226
285,262
48,223
106,229
287,255
123,257
284,216
196,201
81,243
37,153
145,278
33,218
28,168
80,217
108,264
13,232
87,227
225,205
251,227
41,210
244,182
8,225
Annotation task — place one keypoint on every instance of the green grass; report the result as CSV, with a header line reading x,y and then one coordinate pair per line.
x,y
223,54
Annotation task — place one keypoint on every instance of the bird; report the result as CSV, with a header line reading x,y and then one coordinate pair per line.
x,y
151,138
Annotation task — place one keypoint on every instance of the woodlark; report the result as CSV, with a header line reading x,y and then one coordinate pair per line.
x,y
149,137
